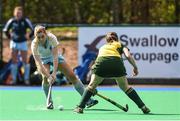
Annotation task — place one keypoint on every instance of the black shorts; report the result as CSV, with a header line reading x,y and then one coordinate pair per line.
x,y
109,66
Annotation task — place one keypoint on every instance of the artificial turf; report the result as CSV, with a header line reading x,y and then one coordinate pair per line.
x,y
28,103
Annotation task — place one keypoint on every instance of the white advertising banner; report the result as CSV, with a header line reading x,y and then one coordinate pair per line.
x,y
155,49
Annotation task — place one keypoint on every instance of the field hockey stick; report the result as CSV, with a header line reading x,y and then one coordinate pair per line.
x,y
49,94
125,109
50,80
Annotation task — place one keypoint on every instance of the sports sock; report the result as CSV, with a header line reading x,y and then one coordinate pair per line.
x,y
26,71
79,87
132,94
85,97
14,70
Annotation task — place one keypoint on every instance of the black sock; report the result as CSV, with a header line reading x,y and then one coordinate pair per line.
x,y
132,94
85,97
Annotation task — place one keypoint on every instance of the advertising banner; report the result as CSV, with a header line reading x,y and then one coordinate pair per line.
x,y
156,50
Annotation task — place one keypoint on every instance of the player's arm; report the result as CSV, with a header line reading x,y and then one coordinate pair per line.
x,y
7,28
30,26
42,69
55,45
38,61
131,60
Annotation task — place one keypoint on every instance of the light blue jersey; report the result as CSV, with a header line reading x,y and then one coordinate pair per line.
x,y
45,51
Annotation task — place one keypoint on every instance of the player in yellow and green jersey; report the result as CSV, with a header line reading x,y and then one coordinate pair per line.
x,y
109,64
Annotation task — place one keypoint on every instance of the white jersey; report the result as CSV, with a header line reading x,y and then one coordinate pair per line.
x,y
44,51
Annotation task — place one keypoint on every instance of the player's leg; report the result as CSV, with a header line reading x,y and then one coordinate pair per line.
x,y
14,67
67,71
78,85
89,91
45,87
26,66
131,93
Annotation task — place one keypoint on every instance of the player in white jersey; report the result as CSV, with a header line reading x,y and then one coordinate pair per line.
x,y
45,51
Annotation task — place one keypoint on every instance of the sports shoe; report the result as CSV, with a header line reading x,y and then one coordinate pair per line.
x,y
50,106
91,103
145,110
12,82
78,110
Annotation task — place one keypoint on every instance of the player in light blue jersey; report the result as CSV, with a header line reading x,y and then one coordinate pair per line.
x,y
45,51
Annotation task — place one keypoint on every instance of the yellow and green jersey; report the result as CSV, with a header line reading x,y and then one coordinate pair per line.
x,y
111,49
109,62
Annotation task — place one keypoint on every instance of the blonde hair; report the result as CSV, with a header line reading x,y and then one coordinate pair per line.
x,y
38,28
17,8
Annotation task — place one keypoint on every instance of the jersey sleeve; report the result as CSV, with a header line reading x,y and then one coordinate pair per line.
x,y
29,25
120,48
34,48
8,25
54,40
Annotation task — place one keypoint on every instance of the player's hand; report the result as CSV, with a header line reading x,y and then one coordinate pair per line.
x,y
50,80
53,75
135,72
27,37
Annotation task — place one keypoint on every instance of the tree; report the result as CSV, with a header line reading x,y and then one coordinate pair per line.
x,y
116,12
177,11
96,11
145,11
77,12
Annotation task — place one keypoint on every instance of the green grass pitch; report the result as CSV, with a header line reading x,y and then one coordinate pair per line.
x,y
27,103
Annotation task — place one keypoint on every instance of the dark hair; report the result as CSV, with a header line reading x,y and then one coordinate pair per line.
x,y
111,36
